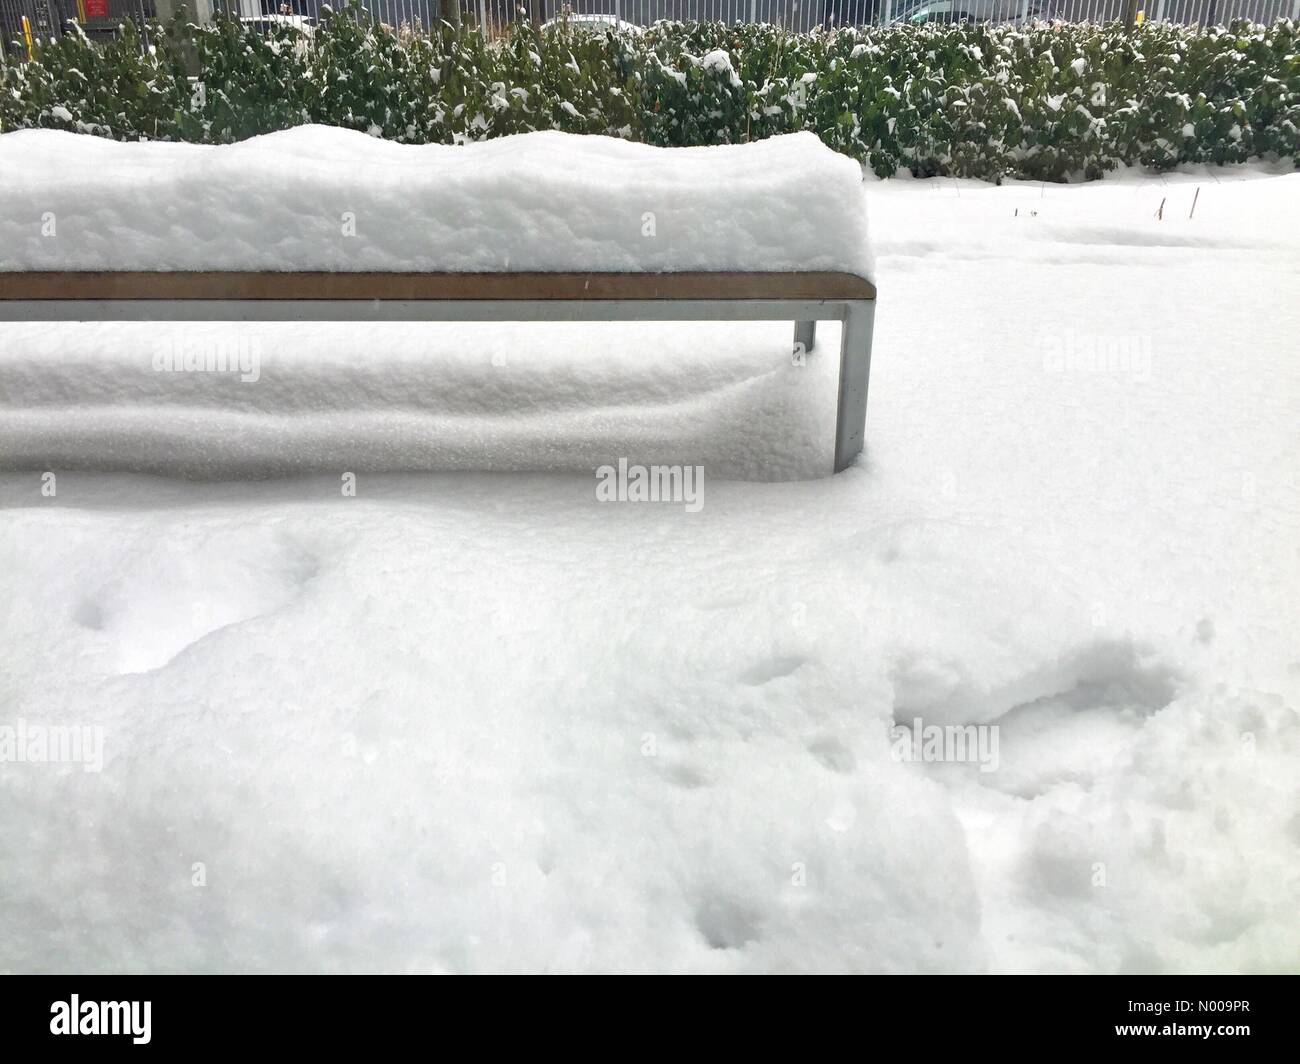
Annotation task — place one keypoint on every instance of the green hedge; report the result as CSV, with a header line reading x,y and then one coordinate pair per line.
x,y
1054,102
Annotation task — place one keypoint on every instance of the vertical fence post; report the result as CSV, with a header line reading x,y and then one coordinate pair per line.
x,y
482,17
889,12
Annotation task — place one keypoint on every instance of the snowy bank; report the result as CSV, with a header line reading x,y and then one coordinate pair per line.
x,y
475,722
319,198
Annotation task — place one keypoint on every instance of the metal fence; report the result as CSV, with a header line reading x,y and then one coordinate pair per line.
x,y
45,19
800,15
810,14
100,18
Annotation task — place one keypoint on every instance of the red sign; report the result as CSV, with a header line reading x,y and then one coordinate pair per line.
x,y
96,8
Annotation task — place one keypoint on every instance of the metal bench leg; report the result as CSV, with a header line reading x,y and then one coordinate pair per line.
x,y
855,368
805,332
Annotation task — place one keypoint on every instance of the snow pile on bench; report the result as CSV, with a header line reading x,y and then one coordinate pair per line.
x,y
319,198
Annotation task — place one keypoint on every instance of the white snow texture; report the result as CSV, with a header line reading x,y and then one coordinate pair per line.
x,y
318,198
481,721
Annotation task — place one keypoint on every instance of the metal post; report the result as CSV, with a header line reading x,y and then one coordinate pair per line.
x,y
855,368
805,332
482,17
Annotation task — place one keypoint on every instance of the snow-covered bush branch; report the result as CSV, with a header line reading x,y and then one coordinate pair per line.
x,y
1051,101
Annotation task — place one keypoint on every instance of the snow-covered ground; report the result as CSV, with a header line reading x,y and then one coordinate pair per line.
x,y
482,721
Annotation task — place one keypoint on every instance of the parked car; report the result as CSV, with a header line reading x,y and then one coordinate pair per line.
x,y
920,12
591,24
303,23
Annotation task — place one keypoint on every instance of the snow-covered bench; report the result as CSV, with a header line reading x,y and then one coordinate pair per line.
x,y
319,224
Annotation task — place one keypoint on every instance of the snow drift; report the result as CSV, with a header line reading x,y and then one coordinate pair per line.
x,y
308,397
319,198
485,722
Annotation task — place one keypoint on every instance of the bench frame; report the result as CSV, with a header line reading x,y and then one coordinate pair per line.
x,y
803,297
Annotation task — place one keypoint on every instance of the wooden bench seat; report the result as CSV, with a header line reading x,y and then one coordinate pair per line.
x,y
263,285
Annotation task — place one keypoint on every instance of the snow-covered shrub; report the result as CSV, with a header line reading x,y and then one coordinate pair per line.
x,y
252,82
1052,101
119,89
